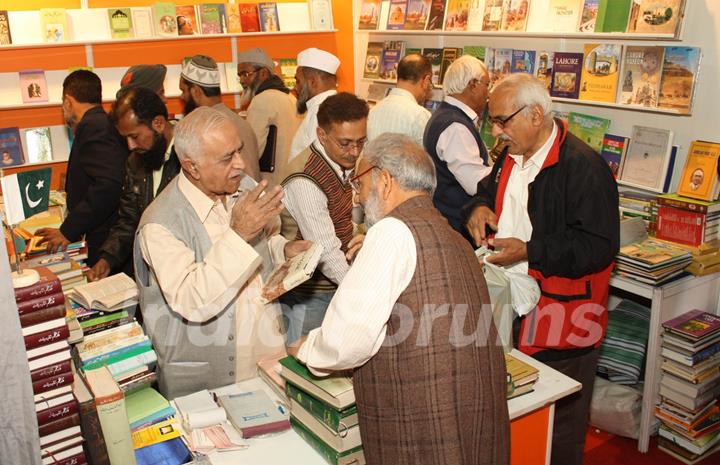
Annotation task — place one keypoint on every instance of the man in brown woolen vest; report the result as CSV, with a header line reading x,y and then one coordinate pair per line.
x,y
412,318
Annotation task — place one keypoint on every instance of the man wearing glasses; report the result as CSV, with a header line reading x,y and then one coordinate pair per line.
x,y
271,111
554,204
453,141
319,198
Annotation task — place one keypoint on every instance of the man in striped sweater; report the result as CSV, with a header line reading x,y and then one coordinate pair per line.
x,y
319,198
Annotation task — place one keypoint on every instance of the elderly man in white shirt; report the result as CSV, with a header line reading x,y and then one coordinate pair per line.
x,y
453,141
202,253
402,110
315,80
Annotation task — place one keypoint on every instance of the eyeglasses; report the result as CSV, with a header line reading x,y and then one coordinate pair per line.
x,y
246,74
501,122
348,145
353,181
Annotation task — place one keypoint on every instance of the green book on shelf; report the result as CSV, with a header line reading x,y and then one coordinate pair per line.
x,y
336,391
120,23
333,418
353,456
145,404
612,15
588,128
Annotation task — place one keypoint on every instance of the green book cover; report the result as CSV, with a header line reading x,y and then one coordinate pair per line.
x,y
104,319
327,414
412,51
477,51
144,403
120,23
333,457
140,349
590,129
612,15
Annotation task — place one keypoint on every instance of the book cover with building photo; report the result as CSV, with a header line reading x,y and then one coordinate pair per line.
x,y
544,67
679,73
515,15
373,58
655,16
492,19
567,68
456,17
588,15
640,75
391,55
601,68
523,61
396,16
417,14
369,15
5,36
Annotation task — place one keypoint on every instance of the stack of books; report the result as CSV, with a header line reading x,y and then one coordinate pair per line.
x,y
652,261
69,265
689,387
323,413
521,377
636,204
42,317
687,221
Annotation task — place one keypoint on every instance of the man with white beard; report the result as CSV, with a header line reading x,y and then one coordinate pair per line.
x,y
412,318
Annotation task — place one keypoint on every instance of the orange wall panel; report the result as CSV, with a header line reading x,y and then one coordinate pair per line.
x,y
16,5
56,57
164,51
31,117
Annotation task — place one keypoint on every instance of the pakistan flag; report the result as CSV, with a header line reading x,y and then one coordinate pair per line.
x,y
25,194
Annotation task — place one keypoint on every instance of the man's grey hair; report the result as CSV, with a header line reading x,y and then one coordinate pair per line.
x,y
527,90
404,159
190,131
461,72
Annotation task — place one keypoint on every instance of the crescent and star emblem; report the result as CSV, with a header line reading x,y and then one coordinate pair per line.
x,y
33,203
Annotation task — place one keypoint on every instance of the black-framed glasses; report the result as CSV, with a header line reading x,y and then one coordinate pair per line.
x,y
353,181
246,74
501,122
348,145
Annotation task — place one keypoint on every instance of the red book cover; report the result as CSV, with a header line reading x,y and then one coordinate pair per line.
x,y
186,20
54,382
41,316
57,412
59,424
681,226
694,324
40,303
249,19
48,371
48,284
47,337
75,459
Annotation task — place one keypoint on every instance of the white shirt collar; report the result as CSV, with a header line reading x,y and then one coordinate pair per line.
x,y
342,173
201,203
538,158
315,102
403,93
466,109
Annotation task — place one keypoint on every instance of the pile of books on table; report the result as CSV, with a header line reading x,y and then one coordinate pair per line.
x,y
689,387
41,308
323,413
69,265
521,377
652,261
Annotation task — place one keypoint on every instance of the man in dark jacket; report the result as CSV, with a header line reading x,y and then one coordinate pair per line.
x,y
554,204
95,168
142,118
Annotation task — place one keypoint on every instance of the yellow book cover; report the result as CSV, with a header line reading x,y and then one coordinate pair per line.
x,y
699,176
54,25
153,434
232,11
600,72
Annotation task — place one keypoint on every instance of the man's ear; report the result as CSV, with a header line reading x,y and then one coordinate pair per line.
x,y
386,184
321,135
158,123
190,167
196,93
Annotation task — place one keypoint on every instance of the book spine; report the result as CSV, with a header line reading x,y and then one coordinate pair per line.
x,y
54,382
47,337
92,432
48,371
51,300
122,357
114,423
327,452
59,425
682,205
119,354
41,316
105,326
324,413
40,289
77,459
57,412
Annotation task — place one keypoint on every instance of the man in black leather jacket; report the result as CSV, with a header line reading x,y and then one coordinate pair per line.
x,y
142,119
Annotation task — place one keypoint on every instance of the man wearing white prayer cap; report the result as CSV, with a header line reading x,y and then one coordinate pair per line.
x,y
316,80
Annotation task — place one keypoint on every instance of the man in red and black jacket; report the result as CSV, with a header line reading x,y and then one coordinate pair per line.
x,y
552,204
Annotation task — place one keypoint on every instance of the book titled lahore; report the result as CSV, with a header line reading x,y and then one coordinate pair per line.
x,y
292,273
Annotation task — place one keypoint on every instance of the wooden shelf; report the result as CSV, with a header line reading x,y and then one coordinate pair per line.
x,y
621,36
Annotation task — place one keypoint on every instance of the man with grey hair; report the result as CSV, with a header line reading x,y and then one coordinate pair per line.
x,y
564,232
202,253
270,111
401,319
453,141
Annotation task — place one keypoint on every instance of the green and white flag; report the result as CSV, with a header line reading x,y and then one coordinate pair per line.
x,y
25,194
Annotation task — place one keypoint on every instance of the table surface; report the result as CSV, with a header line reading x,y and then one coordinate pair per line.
x,y
288,447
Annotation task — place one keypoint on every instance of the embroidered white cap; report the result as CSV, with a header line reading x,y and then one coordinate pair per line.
x,y
318,59
202,70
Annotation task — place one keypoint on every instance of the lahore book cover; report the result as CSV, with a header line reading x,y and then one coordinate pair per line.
x,y
589,129
567,68
417,14
492,18
694,324
33,86
699,178
523,61
249,19
613,150
10,147
434,56
54,24
392,53
268,17
456,16
211,15
564,15
436,17
641,74
292,273
186,20
369,14
120,23
165,19
501,65
5,36
515,15
588,16
601,68
396,16
232,12
142,22
655,16
612,15
679,73
373,58
544,67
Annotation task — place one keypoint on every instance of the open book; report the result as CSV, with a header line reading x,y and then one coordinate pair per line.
x,y
109,294
292,273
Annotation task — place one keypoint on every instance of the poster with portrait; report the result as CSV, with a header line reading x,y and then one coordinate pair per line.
x,y
699,179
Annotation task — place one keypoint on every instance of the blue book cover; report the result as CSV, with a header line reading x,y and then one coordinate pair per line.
x,y
11,151
523,61
567,68
172,452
